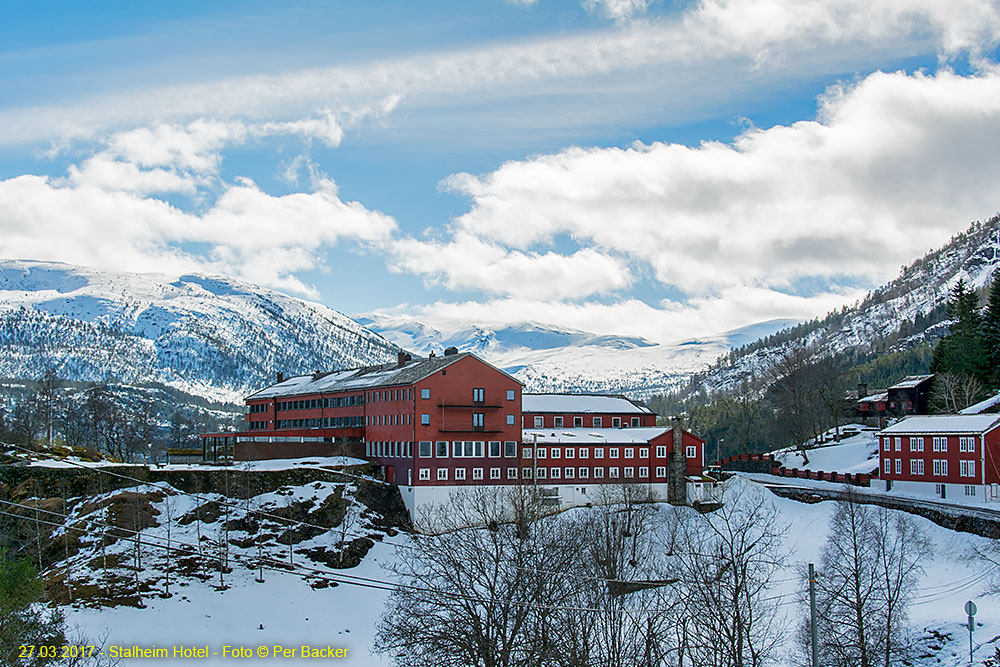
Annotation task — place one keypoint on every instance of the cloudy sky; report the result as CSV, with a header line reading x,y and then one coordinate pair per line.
x,y
647,167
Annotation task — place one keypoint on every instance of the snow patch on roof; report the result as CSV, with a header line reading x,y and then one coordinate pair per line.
x,y
919,424
976,408
580,403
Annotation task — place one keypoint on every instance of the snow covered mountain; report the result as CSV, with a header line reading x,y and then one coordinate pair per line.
x,y
550,359
905,312
209,336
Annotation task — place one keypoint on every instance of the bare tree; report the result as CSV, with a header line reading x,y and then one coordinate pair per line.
x,y
954,392
727,559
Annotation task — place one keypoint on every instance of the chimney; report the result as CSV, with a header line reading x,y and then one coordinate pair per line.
x,y
281,376
401,359
862,390
677,466
449,351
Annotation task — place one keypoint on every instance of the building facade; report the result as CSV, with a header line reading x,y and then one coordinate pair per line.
x,y
584,411
949,456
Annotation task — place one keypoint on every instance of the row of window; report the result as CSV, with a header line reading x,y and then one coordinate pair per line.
x,y
939,467
938,444
478,394
466,449
442,474
596,422
691,452
402,419
390,395
258,407
389,449
314,403
353,421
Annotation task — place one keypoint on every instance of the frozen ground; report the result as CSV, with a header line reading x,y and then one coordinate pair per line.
x,y
855,454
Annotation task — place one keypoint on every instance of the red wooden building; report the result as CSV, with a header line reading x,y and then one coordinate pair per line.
x,y
944,455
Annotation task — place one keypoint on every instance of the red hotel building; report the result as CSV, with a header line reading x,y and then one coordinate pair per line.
x,y
454,420
950,456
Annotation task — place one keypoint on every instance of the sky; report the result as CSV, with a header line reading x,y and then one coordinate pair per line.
x,y
652,168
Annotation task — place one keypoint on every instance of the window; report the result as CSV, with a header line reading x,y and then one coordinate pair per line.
x,y
635,421
887,465
541,473
578,422
584,453
939,444
478,395
616,422
613,472
442,473
540,453
510,449
644,452
886,444
539,422
661,471
493,451
598,473
525,473
643,472
570,453
966,445
556,453
612,452
555,473
425,419
897,443
899,466
629,472
510,420
629,453
692,451
510,397
526,453
940,467
477,473
970,490
424,473
459,473
425,393
584,472
557,422
441,450
468,449
569,473
916,444
917,467
511,473
598,452
478,420
967,468
598,422
661,451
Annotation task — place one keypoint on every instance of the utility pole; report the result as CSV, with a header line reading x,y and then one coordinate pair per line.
x,y
812,615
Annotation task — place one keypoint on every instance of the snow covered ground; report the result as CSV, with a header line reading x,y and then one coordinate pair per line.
x,y
856,454
287,610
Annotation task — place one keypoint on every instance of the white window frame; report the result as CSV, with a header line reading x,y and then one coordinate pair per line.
x,y
661,471
495,473
598,473
526,453
897,444
540,452
539,422
569,472
887,466
557,422
628,472
494,449
613,472
616,422
598,452
442,474
430,449
661,451
584,472
598,422
644,452
643,472
441,448
459,474
510,449
511,473
630,452
477,473
424,474
584,453
555,473
692,451
899,466
612,452
577,422
556,453
570,452
541,473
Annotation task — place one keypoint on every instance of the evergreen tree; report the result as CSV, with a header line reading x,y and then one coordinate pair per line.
x,y
24,620
991,331
963,351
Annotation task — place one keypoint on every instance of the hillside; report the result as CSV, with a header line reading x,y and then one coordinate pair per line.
x,y
208,336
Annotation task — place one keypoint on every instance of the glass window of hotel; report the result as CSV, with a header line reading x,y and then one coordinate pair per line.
x,y
495,473
899,466
635,421
570,452
887,465
598,452
424,449
643,472
578,422
539,422
510,449
511,473
478,419
613,472
425,419
598,473
510,420
510,394
584,452
616,422
556,473
661,451
629,473
557,422
525,473
598,422
425,473
441,449
478,395
568,472
644,452
629,453
494,449
556,453
425,393
526,453
612,452
970,490
459,473
897,443
442,473
692,451
584,472
541,473
661,471
540,453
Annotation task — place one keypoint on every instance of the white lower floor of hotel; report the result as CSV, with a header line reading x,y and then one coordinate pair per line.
x,y
989,493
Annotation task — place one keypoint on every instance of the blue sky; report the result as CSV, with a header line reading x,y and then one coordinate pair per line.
x,y
641,167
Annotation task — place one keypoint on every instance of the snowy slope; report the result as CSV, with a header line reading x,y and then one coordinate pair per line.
x,y
550,359
209,336
855,454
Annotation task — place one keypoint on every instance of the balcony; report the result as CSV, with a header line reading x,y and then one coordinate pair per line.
x,y
470,405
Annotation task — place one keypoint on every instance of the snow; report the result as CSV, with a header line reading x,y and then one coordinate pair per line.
x,y
592,436
981,406
579,403
911,381
855,454
918,424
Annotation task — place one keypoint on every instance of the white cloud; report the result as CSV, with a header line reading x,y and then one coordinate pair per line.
x,y
617,10
894,166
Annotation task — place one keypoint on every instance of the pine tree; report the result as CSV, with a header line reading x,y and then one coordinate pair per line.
x,y
963,351
991,331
